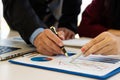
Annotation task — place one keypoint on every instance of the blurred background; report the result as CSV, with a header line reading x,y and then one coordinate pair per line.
x,y
4,29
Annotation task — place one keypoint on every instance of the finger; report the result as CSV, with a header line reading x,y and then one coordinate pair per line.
x,y
42,40
52,46
110,52
104,50
43,48
53,37
72,36
94,41
65,31
40,44
96,47
61,35
43,51
68,35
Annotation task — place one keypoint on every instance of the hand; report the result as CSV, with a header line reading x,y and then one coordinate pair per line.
x,y
67,33
114,31
48,43
105,44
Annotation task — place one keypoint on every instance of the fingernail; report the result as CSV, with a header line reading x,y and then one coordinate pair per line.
x,y
83,49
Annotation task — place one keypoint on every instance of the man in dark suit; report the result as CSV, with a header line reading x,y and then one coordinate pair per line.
x,y
32,18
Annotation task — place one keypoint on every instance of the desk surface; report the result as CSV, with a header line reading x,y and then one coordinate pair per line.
x,y
10,71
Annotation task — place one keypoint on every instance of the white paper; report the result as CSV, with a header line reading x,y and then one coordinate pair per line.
x,y
76,42
87,65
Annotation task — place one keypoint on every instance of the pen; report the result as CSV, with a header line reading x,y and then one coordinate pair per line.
x,y
63,48
76,56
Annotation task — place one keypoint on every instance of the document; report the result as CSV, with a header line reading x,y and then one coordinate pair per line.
x,y
76,42
95,66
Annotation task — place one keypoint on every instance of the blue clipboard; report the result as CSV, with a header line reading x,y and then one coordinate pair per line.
x,y
117,70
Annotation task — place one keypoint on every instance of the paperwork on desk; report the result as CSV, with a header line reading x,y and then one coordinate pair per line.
x,y
94,66
76,42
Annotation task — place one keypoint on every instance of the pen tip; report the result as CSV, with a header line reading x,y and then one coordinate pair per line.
x,y
66,54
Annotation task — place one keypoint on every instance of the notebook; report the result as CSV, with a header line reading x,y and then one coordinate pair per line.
x,y
13,48
94,66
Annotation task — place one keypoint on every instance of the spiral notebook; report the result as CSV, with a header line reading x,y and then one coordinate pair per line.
x,y
13,48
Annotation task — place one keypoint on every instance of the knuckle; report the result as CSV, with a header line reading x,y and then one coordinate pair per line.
x,y
90,51
95,47
112,41
105,33
94,41
46,31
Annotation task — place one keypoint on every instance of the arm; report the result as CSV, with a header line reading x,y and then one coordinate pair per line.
x,y
91,24
20,16
70,11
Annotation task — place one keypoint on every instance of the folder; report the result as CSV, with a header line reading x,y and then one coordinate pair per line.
x,y
94,66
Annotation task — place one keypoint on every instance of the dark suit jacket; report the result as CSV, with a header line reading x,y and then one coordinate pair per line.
x,y
27,15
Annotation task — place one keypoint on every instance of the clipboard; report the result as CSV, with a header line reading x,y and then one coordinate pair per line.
x,y
87,67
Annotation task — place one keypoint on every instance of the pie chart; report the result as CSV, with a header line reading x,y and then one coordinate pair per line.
x,y
41,59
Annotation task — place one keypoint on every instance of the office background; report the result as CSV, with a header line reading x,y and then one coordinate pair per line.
x,y
4,29
9,70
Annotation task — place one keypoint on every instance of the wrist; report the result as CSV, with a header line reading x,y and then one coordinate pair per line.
x,y
35,34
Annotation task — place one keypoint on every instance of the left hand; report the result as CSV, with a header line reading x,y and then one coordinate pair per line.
x,y
67,33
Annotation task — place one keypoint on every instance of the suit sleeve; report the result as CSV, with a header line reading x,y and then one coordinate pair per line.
x,y
92,20
20,16
70,11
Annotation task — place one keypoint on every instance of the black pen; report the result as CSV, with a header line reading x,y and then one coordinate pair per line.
x,y
63,48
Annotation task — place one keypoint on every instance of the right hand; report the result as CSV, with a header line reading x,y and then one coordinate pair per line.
x,y
48,43
105,44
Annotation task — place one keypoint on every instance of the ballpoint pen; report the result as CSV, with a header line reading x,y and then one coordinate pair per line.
x,y
63,48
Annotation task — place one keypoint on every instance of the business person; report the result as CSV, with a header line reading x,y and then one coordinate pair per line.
x,y
100,20
33,18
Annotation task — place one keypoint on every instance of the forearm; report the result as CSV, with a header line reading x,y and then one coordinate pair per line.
x,y
70,11
90,25
20,16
